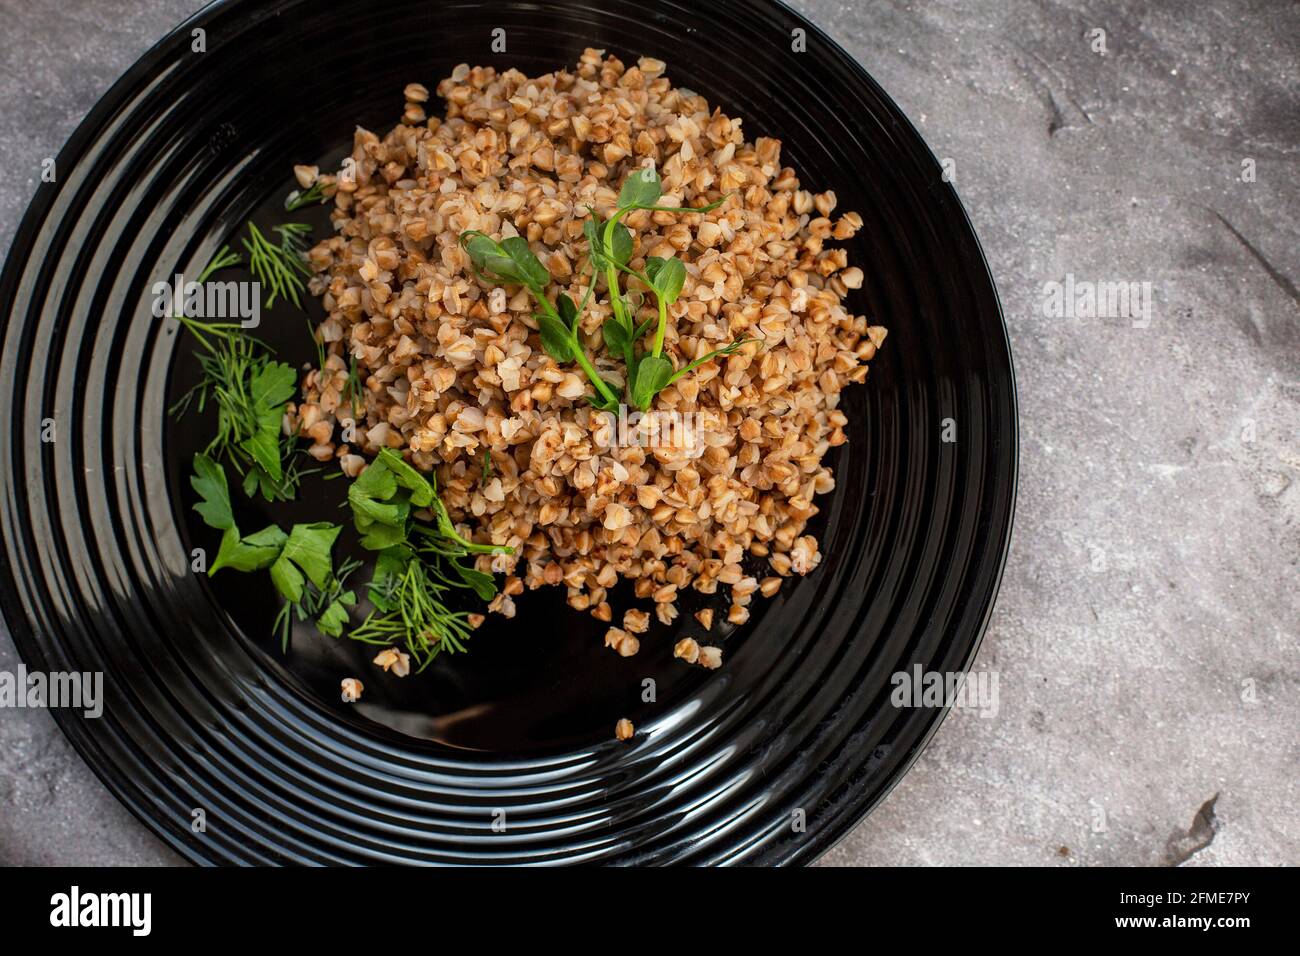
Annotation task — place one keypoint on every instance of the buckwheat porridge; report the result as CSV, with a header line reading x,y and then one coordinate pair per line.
x,y
611,330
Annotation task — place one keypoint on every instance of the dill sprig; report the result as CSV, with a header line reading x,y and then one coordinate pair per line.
x,y
352,393
224,259
279,266
225,350
305,197
312,333
409,609
249,391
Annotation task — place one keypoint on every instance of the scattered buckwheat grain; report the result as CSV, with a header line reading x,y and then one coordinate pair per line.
x,y
397,663
352,689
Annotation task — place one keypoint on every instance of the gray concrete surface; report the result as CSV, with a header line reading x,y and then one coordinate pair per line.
x,y
1146,636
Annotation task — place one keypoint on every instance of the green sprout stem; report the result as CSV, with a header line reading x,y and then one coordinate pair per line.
x,y
511,260
579,352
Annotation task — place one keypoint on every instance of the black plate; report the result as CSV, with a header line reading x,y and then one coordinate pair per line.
x,y
203,711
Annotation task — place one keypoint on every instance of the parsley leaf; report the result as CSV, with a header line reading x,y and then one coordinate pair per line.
x,y
270,387
253,553
209,480
335,615
308,546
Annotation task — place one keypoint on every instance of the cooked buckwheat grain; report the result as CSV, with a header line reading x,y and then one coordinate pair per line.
x,y
454,373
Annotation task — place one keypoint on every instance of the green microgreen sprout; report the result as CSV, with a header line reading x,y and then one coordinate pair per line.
x,y
610,247
512,261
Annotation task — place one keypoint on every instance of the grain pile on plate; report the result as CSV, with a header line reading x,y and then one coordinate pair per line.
x,y
452,370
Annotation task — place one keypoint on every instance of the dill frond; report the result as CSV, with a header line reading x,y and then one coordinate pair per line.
x,y
305,197
352,393
279,266
409,609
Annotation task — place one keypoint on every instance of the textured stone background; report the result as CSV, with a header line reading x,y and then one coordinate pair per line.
x,y
1152,580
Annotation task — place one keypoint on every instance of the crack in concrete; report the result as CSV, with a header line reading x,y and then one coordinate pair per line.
x,y
1282,281
1181,847
1054,92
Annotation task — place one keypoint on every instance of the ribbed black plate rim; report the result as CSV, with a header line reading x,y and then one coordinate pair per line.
x,y
289,780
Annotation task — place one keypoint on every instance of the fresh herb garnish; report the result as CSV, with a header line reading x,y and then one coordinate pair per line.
x,y
209,480
327,606
511,261
224,259
417,563
305,197
352,393
610,246
279,266
300,562
409,608
304,556
253,553
250,392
